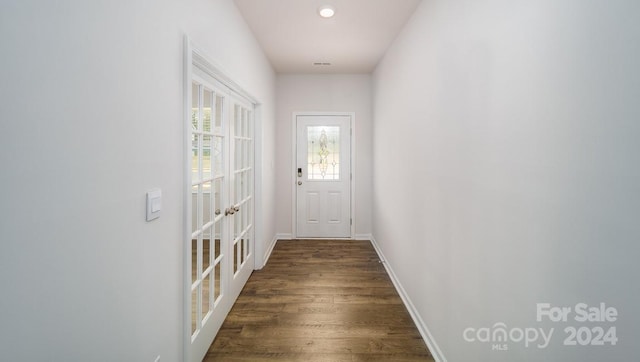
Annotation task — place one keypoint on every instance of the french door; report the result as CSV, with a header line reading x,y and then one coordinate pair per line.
x,y
323,176
219,208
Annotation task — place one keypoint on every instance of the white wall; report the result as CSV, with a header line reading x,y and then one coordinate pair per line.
x,y
91,112
324,93
507,133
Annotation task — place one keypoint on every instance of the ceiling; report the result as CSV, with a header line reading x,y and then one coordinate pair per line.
x,y
294,36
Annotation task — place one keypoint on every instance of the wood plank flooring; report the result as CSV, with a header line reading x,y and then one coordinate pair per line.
x,y
319,300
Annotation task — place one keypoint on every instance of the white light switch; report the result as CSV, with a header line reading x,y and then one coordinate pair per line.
x,y
154,204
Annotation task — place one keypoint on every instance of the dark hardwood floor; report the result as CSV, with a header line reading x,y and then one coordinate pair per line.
x,y
319,300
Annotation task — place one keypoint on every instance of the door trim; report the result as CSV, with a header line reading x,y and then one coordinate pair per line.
x,y
294,150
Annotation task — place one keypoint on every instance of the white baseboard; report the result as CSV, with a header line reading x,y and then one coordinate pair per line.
x,y
284,236
422,327
364,236
288,236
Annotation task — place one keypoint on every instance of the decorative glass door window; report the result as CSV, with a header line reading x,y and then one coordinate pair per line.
x,y
323,153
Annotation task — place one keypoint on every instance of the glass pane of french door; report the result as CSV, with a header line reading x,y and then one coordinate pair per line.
x,y
208,182
242,193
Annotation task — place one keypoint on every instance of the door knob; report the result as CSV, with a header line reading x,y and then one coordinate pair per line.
x,y
217,211
299,183
229,211
236,208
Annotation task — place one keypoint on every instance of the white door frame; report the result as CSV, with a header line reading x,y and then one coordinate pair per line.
x,y
294,166
193,56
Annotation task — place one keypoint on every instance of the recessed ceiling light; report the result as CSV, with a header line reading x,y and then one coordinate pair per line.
x,y
326,11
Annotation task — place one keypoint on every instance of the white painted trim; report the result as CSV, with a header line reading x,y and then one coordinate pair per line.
x,y
284,236
422,327
204,63
352,134
258,228
329,238
294,164
364,237
294,161
186,217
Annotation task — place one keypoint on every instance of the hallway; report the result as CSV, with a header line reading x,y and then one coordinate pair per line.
x,y
493,161
319,300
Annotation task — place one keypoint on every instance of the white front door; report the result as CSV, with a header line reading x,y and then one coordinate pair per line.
x,y
323,176
219,209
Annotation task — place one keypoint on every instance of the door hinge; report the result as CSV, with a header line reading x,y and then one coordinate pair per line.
x,y
351,221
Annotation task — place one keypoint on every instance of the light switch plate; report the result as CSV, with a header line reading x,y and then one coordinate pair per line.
x,y
154,204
